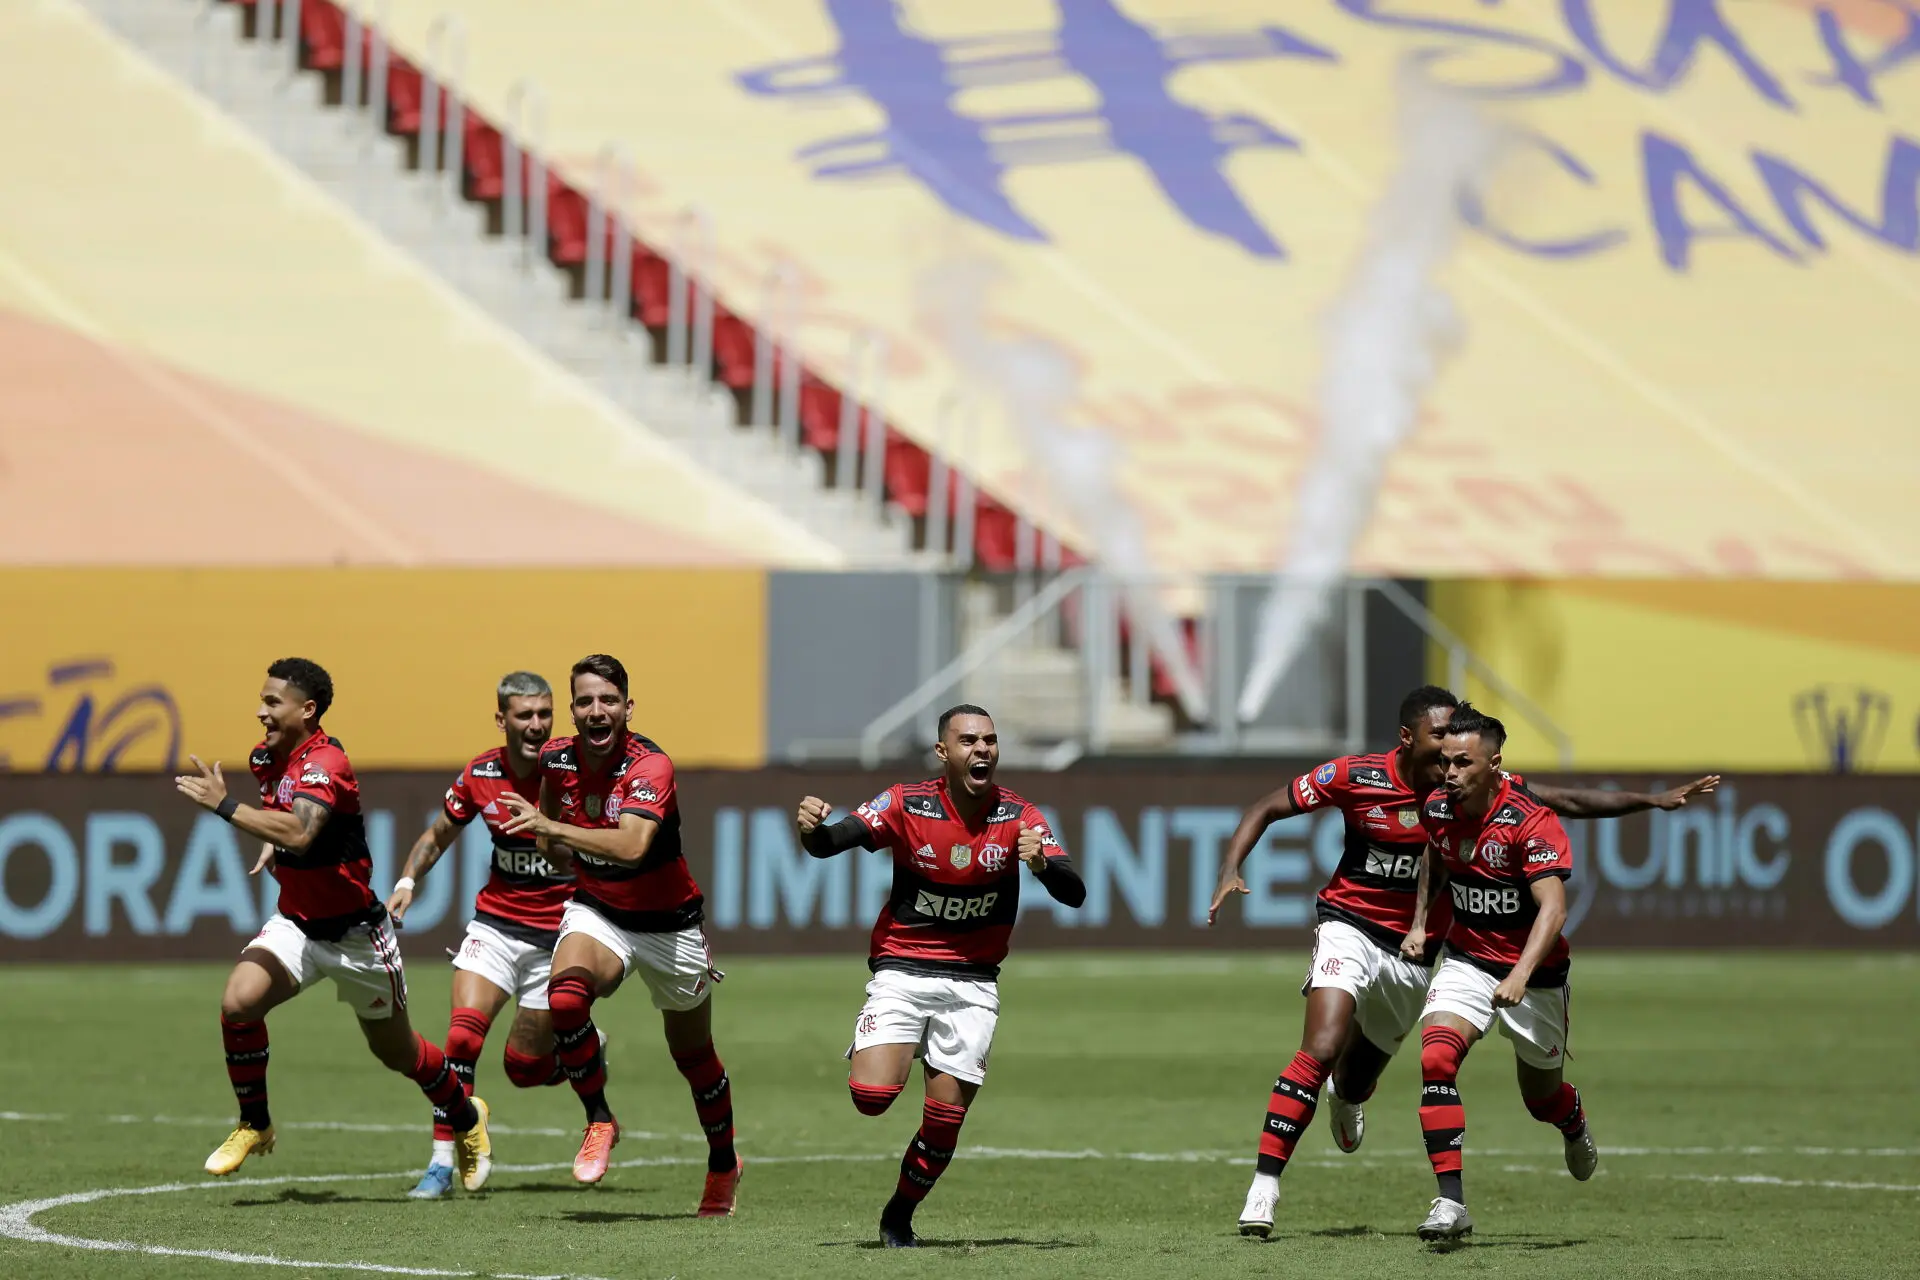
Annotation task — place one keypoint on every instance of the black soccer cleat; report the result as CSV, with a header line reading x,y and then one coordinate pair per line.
x,y
896,1226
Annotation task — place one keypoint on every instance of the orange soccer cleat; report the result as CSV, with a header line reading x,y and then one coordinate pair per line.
x,y
721,1190
596,1147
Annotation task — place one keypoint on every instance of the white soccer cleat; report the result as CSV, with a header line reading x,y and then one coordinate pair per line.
x,y
1256,1216
1447,1221
1347,1121
1583,1157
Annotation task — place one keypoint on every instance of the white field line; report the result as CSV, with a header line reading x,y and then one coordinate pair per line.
x,y
1007,1153
16,1220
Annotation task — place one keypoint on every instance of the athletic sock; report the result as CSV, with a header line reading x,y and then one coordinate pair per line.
x,y
1561,1109
246,1046
442,1087
872,1099
1289,1111
1443,1119
533,1071
577,1043
712,1102
930,1151
466,1036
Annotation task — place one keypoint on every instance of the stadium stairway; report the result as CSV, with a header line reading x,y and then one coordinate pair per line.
x,y
377,173
210,361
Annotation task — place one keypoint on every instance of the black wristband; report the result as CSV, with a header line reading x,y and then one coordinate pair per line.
x,y
226,808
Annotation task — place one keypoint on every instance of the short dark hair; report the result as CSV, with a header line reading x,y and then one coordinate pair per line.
x,y
308,677
964,709
522,684
1468,718
599,664
1423,702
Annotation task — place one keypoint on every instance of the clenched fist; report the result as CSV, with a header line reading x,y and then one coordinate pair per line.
x,y
1032,850
813,812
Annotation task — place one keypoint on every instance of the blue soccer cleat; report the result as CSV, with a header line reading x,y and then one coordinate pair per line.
x,y
435,1184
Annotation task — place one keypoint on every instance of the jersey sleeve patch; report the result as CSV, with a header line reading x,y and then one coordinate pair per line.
x,y
647,789
459,804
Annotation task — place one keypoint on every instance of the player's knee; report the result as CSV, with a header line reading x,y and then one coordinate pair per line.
x,y
1441,1052
526,1070
873,1099
569,997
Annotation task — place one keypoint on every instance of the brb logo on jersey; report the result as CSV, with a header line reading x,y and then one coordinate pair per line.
x,y
953,908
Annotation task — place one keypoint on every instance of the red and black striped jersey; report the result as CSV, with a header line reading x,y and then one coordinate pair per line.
x,y
1491,864
327,886
1374,887
956,883
656,895
524,894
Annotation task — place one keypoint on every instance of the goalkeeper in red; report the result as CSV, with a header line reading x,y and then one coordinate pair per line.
x,y
1503,861
957,842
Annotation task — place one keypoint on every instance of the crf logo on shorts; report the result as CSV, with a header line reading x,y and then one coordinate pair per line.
x,y
1331,966
1477,901
867,1024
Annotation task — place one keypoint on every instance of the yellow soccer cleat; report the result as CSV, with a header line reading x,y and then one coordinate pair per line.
x,y
240,1144
473,1150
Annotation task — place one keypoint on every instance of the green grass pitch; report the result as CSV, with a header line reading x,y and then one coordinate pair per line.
x,y
1757,1115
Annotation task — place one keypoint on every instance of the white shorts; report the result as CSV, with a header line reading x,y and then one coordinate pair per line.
x,y
518,968
677,967
1537,1025
1388,989
364,965
950,1021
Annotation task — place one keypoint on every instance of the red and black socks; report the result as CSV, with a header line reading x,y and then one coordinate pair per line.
x,y
246,1046
1289,1111
927,1157
1561,1109
1443,1120
443,1088
576,1043
872,1099
466,1037
712,1102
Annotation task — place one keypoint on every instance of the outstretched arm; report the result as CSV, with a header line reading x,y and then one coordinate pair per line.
x,y
290,831
1262,814
1589,802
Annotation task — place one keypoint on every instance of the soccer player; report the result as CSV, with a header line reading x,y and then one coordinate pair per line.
x,y
940,939
516,920
1505,859
328,923
608,795
1363,995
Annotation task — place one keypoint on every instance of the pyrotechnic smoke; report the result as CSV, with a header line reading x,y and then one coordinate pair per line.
x,y
1037,384
1386,336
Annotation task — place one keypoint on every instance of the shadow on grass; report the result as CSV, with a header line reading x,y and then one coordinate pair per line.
x,y
293,1195
926,1243
602,1216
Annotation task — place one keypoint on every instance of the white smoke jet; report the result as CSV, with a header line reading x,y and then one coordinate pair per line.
x,y
1386,337
1037,384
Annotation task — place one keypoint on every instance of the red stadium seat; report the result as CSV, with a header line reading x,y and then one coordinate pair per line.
x,y
908,474
819,413
485,160
404,92
323,35
994,529
566,223
652,287
732,349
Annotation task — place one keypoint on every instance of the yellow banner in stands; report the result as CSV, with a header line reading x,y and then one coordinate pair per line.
x,y
1690,303
135,669
1723,675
